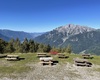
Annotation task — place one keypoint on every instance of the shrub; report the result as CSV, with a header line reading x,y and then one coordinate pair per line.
x,y
53,52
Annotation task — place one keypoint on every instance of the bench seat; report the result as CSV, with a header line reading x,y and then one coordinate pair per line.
x,y
12,59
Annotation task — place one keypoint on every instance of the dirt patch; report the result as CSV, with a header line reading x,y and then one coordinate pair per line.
x,y
58,72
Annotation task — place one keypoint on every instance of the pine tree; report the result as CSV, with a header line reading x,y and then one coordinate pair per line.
x,y
2,46
68,49
31,46
17,45
46,48
12,41
40,48
9,48
36,46
25,46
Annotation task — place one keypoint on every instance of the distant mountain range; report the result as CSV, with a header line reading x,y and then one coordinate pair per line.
x,y
8,34
81,38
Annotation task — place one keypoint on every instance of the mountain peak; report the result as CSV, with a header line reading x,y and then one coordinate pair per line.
x,y
74,29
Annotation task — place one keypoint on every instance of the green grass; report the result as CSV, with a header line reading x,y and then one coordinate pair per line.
x,y
97,69
70,59
95,60
9,67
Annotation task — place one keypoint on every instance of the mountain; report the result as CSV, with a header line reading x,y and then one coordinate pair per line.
x,y
84,41
59,36
81,38
4,37
95,48
18,34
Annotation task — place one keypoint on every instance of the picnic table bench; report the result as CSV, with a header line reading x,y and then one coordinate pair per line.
x,y
3,55
12,57
87,56
60,55
82,62
46,60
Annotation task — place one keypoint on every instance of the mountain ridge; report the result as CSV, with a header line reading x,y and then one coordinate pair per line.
x,y
18,34
79,37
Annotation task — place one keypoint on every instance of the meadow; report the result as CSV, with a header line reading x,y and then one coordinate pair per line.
x,y
17,68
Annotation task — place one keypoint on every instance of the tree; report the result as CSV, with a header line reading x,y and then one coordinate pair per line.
x,y
68,49
31,46
9,48
25,46
17,45
40,48
12,41
36,46
46,48
2,46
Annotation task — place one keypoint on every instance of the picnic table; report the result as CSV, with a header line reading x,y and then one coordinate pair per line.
x,y
60,55
87,56
46,60
12,57
43,55
82,62
3,55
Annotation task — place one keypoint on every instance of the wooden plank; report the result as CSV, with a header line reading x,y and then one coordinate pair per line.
x,y
12,56
41,55
12,59
3,55
46,58
80,60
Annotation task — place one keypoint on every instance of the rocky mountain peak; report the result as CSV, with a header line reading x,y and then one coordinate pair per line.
x,y
74,29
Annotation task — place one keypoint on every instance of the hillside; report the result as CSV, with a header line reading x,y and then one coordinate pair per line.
x,y
84,41
79,37
18,34
59,35
4,37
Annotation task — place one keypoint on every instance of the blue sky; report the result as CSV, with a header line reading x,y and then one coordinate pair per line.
x,y
45,15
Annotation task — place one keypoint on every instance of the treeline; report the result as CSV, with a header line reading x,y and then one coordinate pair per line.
x,y
15,46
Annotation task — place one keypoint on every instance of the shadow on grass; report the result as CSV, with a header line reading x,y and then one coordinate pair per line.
x,y
21,58
55,62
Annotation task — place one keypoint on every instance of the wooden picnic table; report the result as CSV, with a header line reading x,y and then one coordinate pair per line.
x,y
82,62
12,57
87,56
60,55
46,60
3,55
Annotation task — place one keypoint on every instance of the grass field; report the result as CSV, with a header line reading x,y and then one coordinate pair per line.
x,y
18,67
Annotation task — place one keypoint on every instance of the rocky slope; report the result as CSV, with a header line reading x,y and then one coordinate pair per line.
x,y
81,38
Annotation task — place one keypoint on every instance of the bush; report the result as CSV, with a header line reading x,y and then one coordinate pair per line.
x,y
53,52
